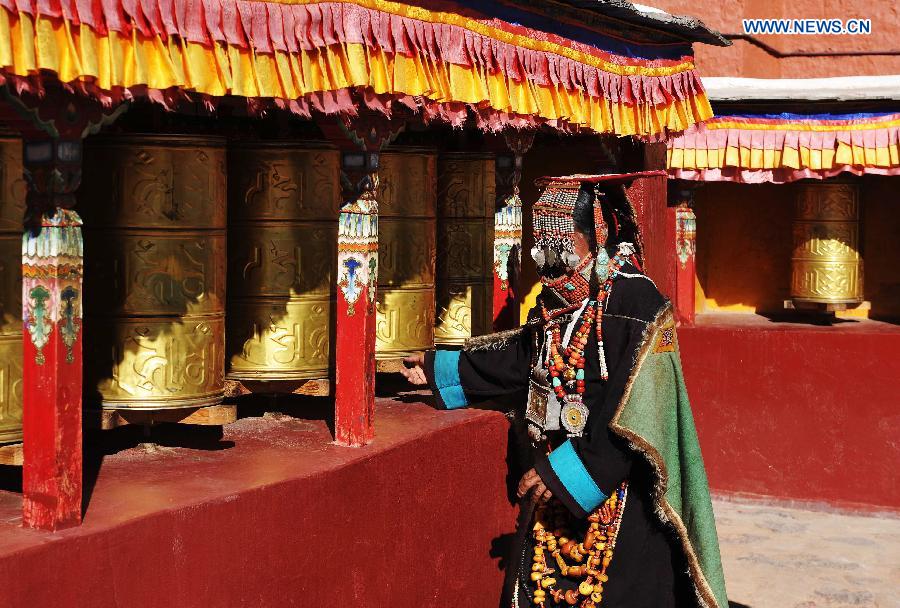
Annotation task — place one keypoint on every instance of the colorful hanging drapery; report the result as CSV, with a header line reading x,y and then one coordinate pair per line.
x,y
445,60
782,148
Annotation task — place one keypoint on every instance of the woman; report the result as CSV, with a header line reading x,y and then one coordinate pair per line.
x,y
621,509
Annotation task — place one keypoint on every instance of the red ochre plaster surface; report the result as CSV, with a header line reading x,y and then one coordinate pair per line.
x,y
281,517
794,411
749,61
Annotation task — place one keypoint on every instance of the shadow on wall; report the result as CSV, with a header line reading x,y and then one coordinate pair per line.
x,y
744,248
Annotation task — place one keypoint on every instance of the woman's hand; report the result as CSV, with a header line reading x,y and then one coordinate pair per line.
x,y
531,482
414,371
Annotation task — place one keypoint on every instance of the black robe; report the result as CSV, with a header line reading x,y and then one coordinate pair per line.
x,y
648,570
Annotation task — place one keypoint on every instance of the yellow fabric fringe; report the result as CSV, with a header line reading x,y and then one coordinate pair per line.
x,y
75,53
788,158
473,25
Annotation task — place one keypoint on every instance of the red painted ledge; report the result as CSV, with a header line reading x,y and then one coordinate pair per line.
x,y
274,514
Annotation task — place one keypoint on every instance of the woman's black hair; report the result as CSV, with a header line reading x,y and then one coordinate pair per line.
x,y
617,213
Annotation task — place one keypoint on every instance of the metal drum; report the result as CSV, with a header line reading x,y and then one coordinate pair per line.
x,y
465,228
154,211
406,197
827,268
12,210
283,204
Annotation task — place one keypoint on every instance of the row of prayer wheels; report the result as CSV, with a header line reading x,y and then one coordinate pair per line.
x,y
170,221
12,209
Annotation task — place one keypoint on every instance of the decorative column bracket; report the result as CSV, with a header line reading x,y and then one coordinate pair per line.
x,y
508,229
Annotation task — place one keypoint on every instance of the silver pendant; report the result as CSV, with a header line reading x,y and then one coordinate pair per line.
x,y
574,415
536,409
554,408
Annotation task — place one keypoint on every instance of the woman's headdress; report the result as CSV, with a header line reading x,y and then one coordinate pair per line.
x,y
595,205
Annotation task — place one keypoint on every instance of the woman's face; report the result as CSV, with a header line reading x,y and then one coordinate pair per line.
x,y
582,244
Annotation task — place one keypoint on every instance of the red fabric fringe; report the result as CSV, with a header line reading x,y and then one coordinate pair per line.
x,y
270,26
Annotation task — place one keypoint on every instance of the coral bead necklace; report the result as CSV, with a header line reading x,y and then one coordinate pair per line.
x,y
566,365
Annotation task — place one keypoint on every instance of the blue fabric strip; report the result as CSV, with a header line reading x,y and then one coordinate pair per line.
x,y
446,378
797,117
535,21
576,479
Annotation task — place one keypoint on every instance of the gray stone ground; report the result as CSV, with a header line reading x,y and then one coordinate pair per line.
x,y
778,557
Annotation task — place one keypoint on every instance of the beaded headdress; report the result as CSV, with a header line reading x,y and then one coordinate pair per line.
x,y
614,220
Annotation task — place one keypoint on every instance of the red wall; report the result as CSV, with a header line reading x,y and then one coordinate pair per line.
x,y
795,412
750,61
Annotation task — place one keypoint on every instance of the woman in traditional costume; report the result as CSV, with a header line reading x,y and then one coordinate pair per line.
x,y
616,510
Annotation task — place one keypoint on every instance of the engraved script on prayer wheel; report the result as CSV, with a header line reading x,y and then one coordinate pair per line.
x,y
154,210
282,215
466,199
12,209
406,253
826,265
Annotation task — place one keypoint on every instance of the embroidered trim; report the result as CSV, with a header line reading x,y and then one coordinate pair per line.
x,y
636,275
661,507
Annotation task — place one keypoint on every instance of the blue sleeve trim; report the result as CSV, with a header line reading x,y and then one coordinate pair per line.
x,y
446,378
575,478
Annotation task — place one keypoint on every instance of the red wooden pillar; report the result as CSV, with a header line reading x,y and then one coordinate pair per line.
x,y
354,394
648,195
684,227
51,316
360,138
508,230
52,125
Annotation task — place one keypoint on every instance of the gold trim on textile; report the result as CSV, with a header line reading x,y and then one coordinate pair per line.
x,y
664,318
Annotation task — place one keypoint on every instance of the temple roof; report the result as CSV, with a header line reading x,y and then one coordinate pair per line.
x,y
677,26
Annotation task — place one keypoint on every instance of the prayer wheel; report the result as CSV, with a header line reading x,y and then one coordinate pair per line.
x,y
283,202
154,211
12,209
407,198
465,228
826,266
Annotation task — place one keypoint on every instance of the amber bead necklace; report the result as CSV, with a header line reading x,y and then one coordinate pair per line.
x,y
588,560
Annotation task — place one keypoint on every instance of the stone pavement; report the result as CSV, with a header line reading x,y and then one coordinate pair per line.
x,y
778,557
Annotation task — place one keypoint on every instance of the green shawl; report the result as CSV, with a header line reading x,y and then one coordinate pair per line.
x,y
654,415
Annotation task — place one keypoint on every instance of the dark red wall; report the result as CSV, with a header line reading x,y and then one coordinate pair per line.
x,y
798,412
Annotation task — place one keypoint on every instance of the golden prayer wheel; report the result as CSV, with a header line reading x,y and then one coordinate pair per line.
x,y
466,200
283,202
12,210
826,266
154,210
406,197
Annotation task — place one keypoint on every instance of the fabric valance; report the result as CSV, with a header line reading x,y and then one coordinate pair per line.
x,y
786,147
445,60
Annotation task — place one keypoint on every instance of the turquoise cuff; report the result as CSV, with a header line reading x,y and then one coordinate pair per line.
x,y
446,379
575,478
